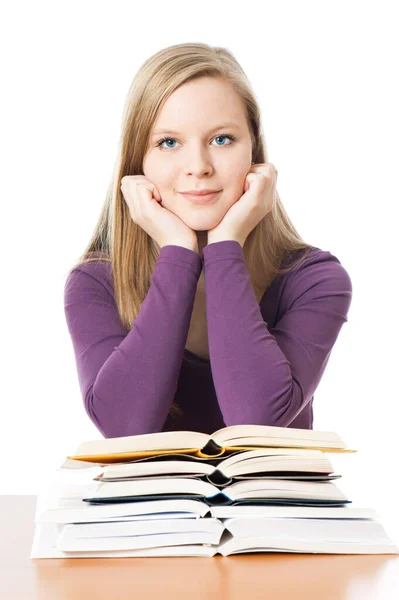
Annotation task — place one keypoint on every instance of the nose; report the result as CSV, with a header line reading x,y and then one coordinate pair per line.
x,y
199,164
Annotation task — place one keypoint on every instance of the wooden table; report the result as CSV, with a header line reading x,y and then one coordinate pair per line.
x,y
246,576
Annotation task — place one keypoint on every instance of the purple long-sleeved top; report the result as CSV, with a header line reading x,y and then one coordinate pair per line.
x,y
266,359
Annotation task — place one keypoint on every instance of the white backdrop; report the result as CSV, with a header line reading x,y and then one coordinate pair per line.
x,y
324,75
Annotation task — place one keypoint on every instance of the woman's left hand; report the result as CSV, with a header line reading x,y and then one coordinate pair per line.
x,y
244,215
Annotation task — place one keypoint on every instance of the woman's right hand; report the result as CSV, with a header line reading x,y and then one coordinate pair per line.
x,y
143,200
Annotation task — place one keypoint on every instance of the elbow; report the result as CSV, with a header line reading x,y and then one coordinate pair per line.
x,y
120,419
91,403
276,408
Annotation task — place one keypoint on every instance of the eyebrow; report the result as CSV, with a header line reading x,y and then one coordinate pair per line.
x,y
230,124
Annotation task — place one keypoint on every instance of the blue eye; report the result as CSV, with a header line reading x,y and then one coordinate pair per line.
x,y
165,140
168,139
230,137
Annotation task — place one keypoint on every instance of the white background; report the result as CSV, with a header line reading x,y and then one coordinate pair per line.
x,y
324,75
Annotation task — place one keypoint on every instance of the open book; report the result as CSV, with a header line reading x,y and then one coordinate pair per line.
x,y
231,536
277,463
224,441
73,510
228,530
266,491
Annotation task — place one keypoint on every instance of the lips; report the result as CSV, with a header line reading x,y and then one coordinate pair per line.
x,y
200,192
200,199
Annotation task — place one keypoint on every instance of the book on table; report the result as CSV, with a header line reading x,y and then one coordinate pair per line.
x,y
230,535
118,497
191,528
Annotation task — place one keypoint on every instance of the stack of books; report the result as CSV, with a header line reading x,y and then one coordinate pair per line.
x,y
245,488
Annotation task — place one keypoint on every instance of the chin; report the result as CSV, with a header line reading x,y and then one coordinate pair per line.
x,y
205,217
201,223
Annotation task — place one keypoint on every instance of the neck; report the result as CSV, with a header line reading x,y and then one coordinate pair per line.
x,y
202,237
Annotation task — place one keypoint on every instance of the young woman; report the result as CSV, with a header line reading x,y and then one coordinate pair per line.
x,y
198,315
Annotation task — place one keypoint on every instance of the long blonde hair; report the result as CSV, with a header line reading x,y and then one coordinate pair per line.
x,y
118,239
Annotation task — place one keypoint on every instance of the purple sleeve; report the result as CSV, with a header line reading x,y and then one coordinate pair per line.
x,y
128,379
267,376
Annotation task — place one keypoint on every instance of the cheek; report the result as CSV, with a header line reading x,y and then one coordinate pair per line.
x,y
237,171
162,170
238,182
156,172
237,189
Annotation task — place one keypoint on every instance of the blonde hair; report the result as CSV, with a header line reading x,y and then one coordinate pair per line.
x,y
118,239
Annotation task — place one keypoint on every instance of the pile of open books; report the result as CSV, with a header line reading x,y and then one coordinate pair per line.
x,y
246,488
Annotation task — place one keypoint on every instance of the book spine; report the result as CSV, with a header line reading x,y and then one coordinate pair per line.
x,y
211,450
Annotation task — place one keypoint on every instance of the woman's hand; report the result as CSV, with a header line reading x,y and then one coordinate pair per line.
x,y
243,216
144,202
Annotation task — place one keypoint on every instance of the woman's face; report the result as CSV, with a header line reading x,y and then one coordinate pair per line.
x,y
196,120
